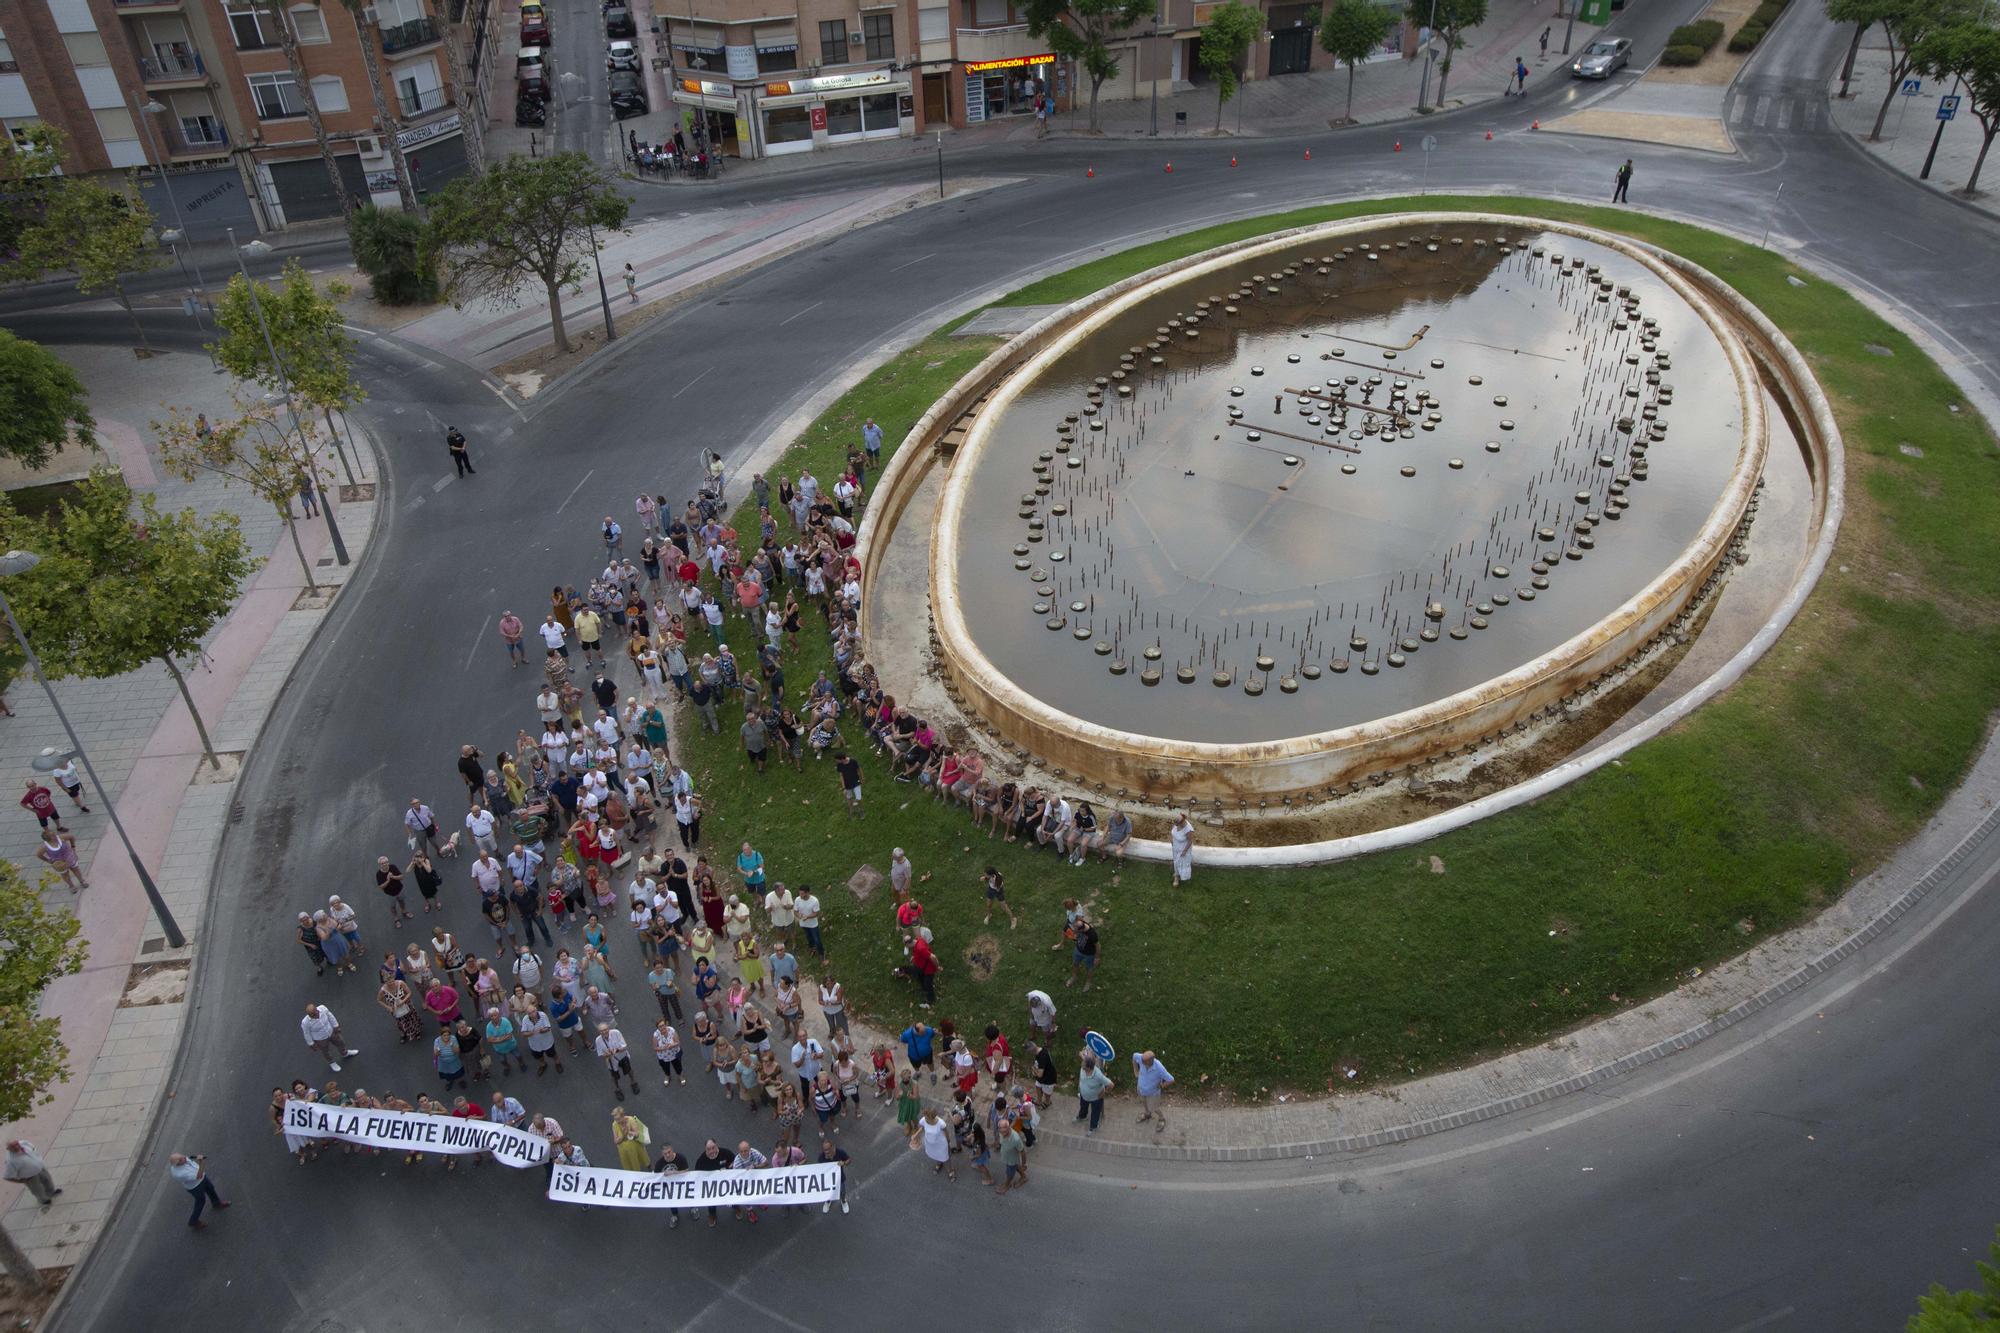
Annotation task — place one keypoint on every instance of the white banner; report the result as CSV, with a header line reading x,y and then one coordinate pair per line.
x,y
410,1131
770,1188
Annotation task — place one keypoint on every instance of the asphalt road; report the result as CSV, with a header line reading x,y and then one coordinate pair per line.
x,y
1810,1169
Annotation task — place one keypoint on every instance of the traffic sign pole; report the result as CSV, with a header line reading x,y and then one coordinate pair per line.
x,y
1947,108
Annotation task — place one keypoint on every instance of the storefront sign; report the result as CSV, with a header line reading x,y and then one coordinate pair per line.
x,y
819,119
412,1131
827,83
708,88
770,1188
382,182
1011,62
437,129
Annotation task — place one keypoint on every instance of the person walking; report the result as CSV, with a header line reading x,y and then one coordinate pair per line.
x,y
1153,1080
1180,836
1624,182
25,1164
454,440
1013,1157
58,852
70,781
190,1172
871,443
1091,1085
322,1033
1545,43
1084,953
631,283
934,1135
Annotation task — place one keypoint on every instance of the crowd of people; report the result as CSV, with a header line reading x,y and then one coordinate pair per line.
x,y
586,817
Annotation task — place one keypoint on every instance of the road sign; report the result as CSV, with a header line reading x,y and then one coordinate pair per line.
x,y
1430,143
1100,1047
1947,106
1911,87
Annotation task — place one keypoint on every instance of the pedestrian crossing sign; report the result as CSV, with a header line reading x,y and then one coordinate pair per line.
x,y
1911,87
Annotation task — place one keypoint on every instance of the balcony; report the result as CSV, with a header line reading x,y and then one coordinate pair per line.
x,y
148,6
168,68
406,36
193,137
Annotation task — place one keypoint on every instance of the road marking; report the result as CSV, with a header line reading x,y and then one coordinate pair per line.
x,y
1736,111
416,502
1763,111
1765,1321
440,484
1812,115
574,489
801,314
691,383
900,267
475,643
1785,114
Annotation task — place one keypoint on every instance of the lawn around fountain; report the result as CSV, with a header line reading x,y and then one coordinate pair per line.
x,y
1746,819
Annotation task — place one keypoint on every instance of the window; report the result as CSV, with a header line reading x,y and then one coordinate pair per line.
x,y
879,32
85,49
989,13
310,25
770,62
880,111
934,25
833,42
788,124
418,87
276,96
248,31
114,124
329,93
7,52
18,127
203,132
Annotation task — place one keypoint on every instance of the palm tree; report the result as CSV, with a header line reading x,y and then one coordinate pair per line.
x,y
280,14
367,34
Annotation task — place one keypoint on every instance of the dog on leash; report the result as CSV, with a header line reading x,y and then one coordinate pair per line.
x,y
449,847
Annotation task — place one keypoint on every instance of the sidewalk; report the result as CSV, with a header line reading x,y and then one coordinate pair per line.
x,y
121,1016
1910,126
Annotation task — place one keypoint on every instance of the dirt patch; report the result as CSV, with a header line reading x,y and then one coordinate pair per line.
x,y
348,286
155,983
209,775
982,957
864,882
1703,133
24,1308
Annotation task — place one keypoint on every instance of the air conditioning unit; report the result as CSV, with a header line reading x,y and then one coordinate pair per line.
x,y
855,38
369,145
368,15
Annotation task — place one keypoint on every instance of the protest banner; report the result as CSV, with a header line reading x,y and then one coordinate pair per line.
x,y
411,1131
771,1188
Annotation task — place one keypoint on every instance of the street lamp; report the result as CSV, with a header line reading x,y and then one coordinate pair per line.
x,y
284,381
20,562
198,284
603,296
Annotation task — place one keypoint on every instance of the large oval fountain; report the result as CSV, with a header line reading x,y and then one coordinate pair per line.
x,y
1312,508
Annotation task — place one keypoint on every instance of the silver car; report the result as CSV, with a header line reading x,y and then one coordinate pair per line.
x,y
1602,58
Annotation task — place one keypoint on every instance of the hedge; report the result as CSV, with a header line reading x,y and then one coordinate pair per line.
x,y
1702,35
1682,55
1747,37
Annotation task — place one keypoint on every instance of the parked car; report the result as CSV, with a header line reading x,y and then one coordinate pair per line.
x,y
529,64
534,25
1602,58
628,94
622,54
618,22
530,110
532,87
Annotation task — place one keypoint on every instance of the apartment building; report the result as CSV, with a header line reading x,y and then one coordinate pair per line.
x,y
203,90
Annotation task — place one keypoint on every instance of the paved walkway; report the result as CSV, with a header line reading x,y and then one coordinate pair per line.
x,y
1910,127
143,743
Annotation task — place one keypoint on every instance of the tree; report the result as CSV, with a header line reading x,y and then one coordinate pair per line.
x,y
278,14
113,593
39,946
31,167
1450,19
365,32
315,351
1942,1311
1082,30
1968,51
1863,14
1352,31
393,250
1905,23
1225,46
42,403
254,448
98,233
526,220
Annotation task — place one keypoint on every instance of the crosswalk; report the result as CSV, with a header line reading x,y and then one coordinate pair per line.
x,y
1779,112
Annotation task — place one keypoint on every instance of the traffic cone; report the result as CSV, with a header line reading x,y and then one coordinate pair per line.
x,y
1090,173
1170,168
1232,161
1537,125
1399,145
1309,154
1489,136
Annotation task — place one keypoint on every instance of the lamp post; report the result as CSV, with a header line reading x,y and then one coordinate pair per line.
x,y
20,562
1430,54
199,288
604,297
284,380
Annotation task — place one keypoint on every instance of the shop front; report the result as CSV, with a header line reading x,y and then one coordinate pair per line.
x,y
995,89
712,116
799,115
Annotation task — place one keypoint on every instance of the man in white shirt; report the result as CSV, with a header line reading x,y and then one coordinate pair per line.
x,y
781,907
808,1057
617,1057
486,872
322,1032
606,727
524,864
556,638
805,906
549,705
528,969
479,823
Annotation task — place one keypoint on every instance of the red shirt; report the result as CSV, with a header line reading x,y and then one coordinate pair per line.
x,y
39,800
920,957
469,1111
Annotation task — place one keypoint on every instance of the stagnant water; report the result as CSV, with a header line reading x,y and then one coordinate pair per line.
x,y
1378,472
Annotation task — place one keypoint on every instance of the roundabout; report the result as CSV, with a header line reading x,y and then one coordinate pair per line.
x,y
1770,1179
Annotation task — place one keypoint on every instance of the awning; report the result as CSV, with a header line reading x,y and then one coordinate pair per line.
x,y
834,95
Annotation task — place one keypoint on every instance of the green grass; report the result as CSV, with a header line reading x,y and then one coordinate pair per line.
x,y
1757,812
